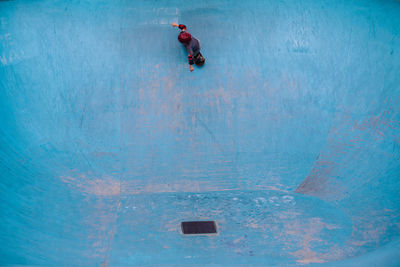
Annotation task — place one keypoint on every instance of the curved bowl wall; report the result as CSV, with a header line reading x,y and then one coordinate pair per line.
x,y
288,137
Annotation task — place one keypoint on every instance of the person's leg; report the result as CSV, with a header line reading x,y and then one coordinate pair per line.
x,y
199,59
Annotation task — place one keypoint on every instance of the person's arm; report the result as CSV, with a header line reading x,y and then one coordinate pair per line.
x,y
191,61
180,26
190,57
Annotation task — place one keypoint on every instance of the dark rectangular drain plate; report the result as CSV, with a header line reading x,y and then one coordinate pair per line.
x,y
199,227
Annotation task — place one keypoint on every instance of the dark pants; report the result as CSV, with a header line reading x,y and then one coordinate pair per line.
x,y
199,59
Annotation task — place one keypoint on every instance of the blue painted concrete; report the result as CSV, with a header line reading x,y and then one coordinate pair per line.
x,y
288,137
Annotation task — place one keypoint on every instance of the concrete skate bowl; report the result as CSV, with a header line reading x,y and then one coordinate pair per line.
x,y
288,137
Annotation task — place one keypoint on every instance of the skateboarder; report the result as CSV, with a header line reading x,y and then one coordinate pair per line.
x,y
192,46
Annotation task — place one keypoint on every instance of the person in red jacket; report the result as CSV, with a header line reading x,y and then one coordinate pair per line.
x,y
192,46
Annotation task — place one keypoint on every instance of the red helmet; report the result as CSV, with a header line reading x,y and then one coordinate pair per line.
x,y
184,37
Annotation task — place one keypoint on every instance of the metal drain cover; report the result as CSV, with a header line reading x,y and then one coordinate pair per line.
x,y
199,227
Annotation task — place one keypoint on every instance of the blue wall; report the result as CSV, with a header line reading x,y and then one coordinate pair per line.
x,y
288,137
